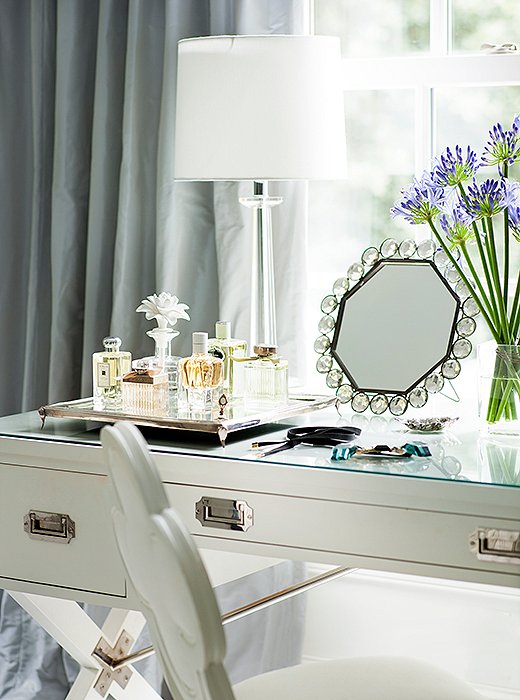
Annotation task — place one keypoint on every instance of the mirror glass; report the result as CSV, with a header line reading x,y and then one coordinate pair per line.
x,y
395,326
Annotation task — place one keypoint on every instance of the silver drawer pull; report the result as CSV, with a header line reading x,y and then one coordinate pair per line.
x,y
51,527
224,513
496,545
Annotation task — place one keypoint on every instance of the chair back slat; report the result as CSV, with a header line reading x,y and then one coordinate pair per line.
x,y
166,570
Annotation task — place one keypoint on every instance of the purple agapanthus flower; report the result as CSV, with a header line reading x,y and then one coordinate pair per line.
x,y
421,201
514,221
503,146
512,195
512,192
456,222
450,169
486,199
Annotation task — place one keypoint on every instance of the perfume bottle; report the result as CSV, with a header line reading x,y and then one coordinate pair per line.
x,y
169,363
229,349
145,389
201,375
108,368
266,376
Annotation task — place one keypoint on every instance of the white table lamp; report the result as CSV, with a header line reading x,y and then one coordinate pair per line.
x,y
260,108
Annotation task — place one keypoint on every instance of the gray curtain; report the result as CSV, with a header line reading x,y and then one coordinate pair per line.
x,y
91,222
91,219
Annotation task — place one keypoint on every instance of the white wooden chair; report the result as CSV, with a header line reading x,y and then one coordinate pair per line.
x,y
178,601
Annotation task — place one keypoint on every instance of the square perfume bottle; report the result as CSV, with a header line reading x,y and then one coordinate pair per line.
x,y
266,377
108,368
229,349
145,390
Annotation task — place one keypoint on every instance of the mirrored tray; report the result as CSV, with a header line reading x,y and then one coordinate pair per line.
x,y
233,417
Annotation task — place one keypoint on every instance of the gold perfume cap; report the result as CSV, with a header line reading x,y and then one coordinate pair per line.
x,y
265,350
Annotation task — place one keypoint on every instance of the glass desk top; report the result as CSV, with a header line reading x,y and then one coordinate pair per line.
x,y
459,453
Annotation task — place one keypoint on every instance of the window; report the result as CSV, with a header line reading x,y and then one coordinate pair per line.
x,y
416,80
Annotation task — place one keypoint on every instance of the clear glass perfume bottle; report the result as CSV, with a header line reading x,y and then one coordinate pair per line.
x,y
169,363
108,368
266,377
201,375
145,389
229,349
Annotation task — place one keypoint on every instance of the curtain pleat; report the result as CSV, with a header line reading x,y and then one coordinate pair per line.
x,y
107,148
34,379
76,41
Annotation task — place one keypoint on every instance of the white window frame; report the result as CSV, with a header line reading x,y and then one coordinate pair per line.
x,y
424,73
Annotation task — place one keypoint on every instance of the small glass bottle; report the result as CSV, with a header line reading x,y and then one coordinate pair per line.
x,y
145,389
108,368
266,377
201,375
229,349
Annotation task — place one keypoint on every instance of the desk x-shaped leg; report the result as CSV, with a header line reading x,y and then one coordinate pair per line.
x,y
103,653
90,645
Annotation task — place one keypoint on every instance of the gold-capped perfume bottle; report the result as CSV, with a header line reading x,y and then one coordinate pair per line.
x,y
201,375
266,377
108,368
145,389
229,349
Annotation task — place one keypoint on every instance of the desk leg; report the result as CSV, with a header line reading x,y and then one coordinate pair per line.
x,y
78,634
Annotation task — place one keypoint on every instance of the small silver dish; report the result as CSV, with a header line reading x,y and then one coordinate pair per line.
x,y
428,425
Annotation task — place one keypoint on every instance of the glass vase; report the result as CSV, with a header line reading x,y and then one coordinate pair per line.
x,y
499,388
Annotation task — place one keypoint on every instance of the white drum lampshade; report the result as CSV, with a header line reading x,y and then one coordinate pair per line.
x,y
259,108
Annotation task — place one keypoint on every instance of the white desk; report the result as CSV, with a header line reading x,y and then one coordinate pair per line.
x,y
415,517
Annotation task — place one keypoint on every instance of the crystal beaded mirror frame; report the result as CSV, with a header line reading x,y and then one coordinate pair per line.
x,y
395,328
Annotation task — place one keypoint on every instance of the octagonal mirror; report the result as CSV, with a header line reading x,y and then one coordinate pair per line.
x,y
395,326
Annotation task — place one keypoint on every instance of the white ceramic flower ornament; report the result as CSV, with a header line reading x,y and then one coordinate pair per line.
x,y
165,308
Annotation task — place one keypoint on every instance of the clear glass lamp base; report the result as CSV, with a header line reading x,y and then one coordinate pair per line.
x,y
263,307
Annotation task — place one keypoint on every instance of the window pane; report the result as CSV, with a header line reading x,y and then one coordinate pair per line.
x,y
346,217
375,28
477,23
465,115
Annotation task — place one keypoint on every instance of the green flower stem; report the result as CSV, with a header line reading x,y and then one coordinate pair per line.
x,y
502,464
469,261
515,311
470,288
486,266
506,249
505,387
490,297
490,240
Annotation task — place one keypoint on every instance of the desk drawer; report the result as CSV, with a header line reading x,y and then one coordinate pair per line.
x,y
88,561
364,534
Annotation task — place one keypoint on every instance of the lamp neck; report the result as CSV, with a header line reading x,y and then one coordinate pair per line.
x,y
260,188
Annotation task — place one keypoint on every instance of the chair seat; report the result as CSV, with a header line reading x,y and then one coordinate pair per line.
x,y
367,678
